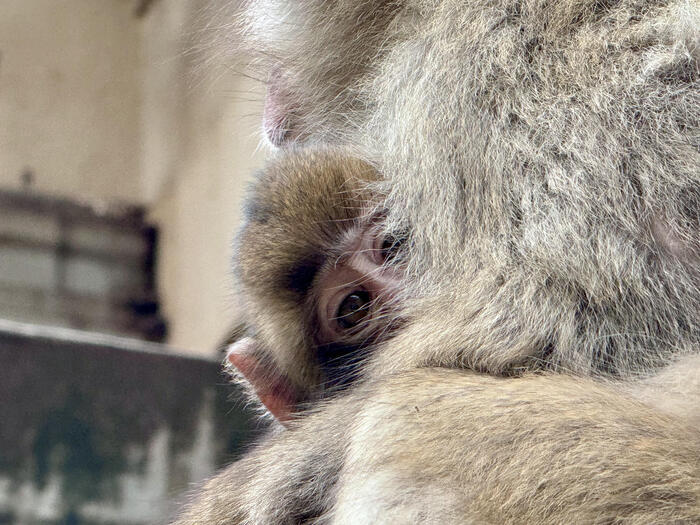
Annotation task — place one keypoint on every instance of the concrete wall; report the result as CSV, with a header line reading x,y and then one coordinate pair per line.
x,y
69,97
101,105
104,432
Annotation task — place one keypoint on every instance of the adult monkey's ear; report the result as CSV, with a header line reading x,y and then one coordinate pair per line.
x,y
272,387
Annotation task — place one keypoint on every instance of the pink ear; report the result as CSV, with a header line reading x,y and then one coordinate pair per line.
x,y
271,386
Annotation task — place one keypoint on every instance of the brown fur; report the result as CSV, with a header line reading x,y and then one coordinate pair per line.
x,y
296,215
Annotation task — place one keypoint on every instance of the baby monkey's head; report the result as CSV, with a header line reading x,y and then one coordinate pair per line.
x,y
319,277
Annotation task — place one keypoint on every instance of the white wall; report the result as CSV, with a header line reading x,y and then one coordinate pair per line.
x,y
69,97
103,105
201,139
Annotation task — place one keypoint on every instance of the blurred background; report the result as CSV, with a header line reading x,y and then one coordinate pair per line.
x,y
126,139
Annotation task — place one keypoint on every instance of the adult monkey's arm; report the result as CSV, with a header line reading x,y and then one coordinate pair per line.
x,y
450,446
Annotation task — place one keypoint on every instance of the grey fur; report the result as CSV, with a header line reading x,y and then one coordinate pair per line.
x,y
545,157
558,140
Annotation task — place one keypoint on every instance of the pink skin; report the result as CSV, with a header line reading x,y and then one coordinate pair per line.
x,y
363,268
278,111
271,386
671,242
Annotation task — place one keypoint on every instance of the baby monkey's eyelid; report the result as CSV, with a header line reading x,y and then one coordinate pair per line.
x,y
386,246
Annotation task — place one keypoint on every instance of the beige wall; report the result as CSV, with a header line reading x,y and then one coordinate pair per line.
x,y
200,145
69,97
103,105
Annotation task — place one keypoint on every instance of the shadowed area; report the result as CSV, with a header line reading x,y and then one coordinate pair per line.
x,y
100,429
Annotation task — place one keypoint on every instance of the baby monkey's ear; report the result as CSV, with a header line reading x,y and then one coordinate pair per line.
x,y
271,386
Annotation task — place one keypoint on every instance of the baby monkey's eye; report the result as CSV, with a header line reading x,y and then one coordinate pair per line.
x,y
353,309
389,247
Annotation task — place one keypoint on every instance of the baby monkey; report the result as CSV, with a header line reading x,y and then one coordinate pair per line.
x,y
325,286
319,278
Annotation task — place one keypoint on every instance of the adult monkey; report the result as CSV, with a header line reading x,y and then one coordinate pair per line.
x,y
545,158
546,153
428,445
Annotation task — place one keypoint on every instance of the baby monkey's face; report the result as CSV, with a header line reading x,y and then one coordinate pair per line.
x,y
319,276
353,292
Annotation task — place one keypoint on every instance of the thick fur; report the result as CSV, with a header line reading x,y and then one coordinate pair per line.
x,y
434,445
296,217
545,158
545,154
447,446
